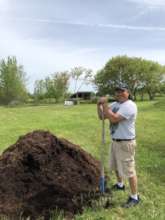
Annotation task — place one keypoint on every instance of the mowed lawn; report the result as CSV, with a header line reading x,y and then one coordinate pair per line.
x,y
80,125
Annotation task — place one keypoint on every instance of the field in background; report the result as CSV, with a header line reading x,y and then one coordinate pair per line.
x,y
80,125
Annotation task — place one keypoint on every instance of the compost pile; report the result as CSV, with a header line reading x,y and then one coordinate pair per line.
x,y
41,172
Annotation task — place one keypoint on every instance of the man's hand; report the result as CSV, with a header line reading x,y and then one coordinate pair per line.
x,y
104,109
101,105
102,100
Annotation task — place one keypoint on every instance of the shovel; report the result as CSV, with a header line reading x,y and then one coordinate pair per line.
x,y
102,175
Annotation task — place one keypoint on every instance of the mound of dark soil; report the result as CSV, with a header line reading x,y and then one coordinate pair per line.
x,y
41,172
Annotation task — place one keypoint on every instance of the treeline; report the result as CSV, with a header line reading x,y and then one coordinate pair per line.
x,y
56,87
142,77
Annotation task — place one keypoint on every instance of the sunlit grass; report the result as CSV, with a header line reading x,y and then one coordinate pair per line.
x,y
80,125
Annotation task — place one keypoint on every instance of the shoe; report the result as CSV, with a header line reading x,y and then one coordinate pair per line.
x,y
131,202
117,187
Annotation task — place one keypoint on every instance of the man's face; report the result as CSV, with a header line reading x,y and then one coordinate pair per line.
x,y
121,95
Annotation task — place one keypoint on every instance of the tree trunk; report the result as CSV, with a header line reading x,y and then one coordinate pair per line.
x,y
142,95
151,95
77,99
134,95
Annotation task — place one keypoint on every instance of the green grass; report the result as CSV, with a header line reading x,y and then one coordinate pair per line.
x,y
80,125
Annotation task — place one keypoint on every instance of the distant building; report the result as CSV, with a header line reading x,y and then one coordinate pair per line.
x,y
82,95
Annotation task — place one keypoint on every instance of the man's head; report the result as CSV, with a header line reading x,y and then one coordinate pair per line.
x,y
122,93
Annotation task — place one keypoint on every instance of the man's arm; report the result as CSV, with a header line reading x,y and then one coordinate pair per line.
x,y
108,113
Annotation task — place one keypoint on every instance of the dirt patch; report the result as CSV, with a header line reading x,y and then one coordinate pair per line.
x,y
41,172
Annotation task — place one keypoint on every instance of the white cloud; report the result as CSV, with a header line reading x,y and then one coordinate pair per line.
x,y
129,27
153,4
4,5
98,25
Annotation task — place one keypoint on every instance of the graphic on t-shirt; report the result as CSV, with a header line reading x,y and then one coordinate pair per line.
x,y
114,126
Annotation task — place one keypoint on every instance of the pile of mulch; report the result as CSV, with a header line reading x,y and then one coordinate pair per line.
x,y
41,172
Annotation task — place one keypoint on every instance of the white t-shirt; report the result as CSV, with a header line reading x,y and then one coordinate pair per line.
x,y
124,129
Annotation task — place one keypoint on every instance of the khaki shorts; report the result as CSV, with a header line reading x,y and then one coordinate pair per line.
x,y
122,158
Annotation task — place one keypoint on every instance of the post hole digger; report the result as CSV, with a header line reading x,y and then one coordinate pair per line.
x,y
105,192
102,174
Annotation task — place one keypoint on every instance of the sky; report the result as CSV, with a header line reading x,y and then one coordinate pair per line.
x,y
48,36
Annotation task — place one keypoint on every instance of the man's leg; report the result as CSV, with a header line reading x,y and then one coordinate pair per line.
x,y
134,198
113,165
119,178
133,185
119,185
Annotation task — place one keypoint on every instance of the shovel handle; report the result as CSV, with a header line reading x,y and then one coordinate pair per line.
x,y
102,176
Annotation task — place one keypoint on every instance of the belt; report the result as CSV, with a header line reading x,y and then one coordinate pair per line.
x,y
123,139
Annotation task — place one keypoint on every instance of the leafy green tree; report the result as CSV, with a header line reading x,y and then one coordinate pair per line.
x,y
54,86
39,90
118,69
60,84
162,88
150,77
140,75
12,81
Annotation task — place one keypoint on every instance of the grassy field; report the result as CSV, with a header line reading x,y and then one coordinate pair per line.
x,y
80,125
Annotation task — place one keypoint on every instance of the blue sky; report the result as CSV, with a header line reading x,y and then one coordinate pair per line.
x,y
56,35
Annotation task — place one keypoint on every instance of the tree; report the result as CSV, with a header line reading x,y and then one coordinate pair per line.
x,y
150,77
54,86
12,81
80,76
162,88
118,69
139,74
39,89
60,84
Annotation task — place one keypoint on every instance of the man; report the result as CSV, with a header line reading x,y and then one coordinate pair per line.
x,y
122,116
